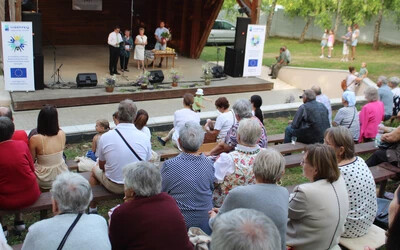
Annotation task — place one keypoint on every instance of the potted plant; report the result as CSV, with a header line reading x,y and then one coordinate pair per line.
x,y
110,84
174,76
207,73
144,80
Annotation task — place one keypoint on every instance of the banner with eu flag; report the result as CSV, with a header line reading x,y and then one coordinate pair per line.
x,y
254,50
17,44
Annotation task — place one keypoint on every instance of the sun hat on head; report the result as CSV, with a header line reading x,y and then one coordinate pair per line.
x,y
199,92
349,97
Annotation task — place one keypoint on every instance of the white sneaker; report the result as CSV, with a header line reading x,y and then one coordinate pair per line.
x,y
322,56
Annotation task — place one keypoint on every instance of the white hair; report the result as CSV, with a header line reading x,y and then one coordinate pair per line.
x,y
249,131
143,178
241,229
394,81
191,136
371,94
127,111
269,165
383,79
242,108
72,192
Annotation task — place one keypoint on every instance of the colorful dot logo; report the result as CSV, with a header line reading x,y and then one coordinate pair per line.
x,y
255,40
17,43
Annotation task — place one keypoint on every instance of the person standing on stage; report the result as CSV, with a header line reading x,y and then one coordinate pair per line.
x,y
161,43
125,50
141,42
114,39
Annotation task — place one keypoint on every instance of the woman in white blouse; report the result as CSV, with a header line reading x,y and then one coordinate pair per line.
x,y
140,42
224,122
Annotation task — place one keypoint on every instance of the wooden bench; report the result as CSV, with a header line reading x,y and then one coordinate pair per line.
x,y
375,238
276,139
289,147
72,165
172,152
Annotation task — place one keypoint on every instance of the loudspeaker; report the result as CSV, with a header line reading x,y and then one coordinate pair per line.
x,y
36,19
241,32
86,80
218,71
38,68
234,60
156,76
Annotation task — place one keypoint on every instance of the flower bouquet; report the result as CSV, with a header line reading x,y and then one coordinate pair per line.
x,y
143,80
165,36
175,76
109,82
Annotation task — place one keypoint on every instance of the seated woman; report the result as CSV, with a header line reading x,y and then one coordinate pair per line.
x,y
348,115
318,210
265,196
141,121
256,102
148,219
219,128
71,194
359,182
47,147
189,178
236,168
180,118
371,115
391,153
18,184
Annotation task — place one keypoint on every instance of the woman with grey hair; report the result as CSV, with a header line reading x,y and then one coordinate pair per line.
x,y
265,196
394,85
71,194
242,109
189,178
147,214
236,168
371,115
244,229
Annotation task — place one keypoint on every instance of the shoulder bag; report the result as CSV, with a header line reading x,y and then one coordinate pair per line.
x,y
129,146
62,243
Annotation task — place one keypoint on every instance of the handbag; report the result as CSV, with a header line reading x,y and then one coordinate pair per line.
x,y
382,214
354,115
62,243
129,146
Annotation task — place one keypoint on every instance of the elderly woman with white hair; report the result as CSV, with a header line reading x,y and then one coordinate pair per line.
x,y
189,178
236,168
70,228
264,196
371,115
147,214
348,115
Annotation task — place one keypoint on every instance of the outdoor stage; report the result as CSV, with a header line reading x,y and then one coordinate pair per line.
x,y
94,59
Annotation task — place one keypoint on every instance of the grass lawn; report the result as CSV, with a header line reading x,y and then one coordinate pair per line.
x,y
381,62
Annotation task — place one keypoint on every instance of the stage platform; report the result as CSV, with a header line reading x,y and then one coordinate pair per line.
x,y
88,59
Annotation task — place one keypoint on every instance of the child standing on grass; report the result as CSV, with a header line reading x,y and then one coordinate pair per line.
x,y
331,42
198,100
324,42
346,45
102,126
363,70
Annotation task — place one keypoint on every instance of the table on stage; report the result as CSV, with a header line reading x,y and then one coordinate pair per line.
x,y
166,55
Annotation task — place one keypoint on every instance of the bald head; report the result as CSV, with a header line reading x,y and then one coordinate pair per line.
x,y
316,89
6,112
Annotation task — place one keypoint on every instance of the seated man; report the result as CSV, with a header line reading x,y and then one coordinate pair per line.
x,y
118,147
19,135
288,55
242,109
281,61
385,96
324,100
309,122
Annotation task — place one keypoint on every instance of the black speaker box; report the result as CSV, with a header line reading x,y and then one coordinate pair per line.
x,y
86,80
38,68
156,76
218,71
234,61
241,32
36,19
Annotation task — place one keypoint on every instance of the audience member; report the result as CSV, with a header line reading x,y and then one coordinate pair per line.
x,y
371,115
244,229
348,115
385,96
141,121
115,118
189,178
391,153
318,210
180,118
71,194
265,196
281,61
393,83
18,184
224,121
310,121
102,126
393,241
148,219
18,134
117,148
321,98
352,80
359,182
242,110
256,102
47,147
236,168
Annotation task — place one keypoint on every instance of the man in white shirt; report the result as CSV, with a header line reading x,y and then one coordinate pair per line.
x,y
118,147
114,40
161,44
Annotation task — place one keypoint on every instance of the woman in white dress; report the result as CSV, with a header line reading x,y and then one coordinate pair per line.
x,y
140,42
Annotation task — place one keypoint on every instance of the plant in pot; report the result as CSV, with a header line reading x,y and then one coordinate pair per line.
x,y
175,76
144,80
207,73
110,83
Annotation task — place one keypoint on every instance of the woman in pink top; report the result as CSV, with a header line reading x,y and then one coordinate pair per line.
x,y
371,115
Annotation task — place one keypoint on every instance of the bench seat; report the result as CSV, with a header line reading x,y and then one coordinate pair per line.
x,y
375,238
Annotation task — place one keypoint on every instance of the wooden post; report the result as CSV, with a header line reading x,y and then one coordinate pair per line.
x,y
11,9
195,29
255,11
182,45
18,10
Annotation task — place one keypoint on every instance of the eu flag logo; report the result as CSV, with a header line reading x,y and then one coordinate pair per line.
x,y
253,63
18,72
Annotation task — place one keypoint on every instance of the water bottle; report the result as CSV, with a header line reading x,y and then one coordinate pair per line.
x,y
379,135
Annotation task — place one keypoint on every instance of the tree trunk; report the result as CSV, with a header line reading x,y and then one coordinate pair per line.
x,y
269,19
337,20
378,22
303,34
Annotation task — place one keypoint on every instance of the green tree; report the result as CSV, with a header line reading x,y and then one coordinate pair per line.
x,y
270,8
392,9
